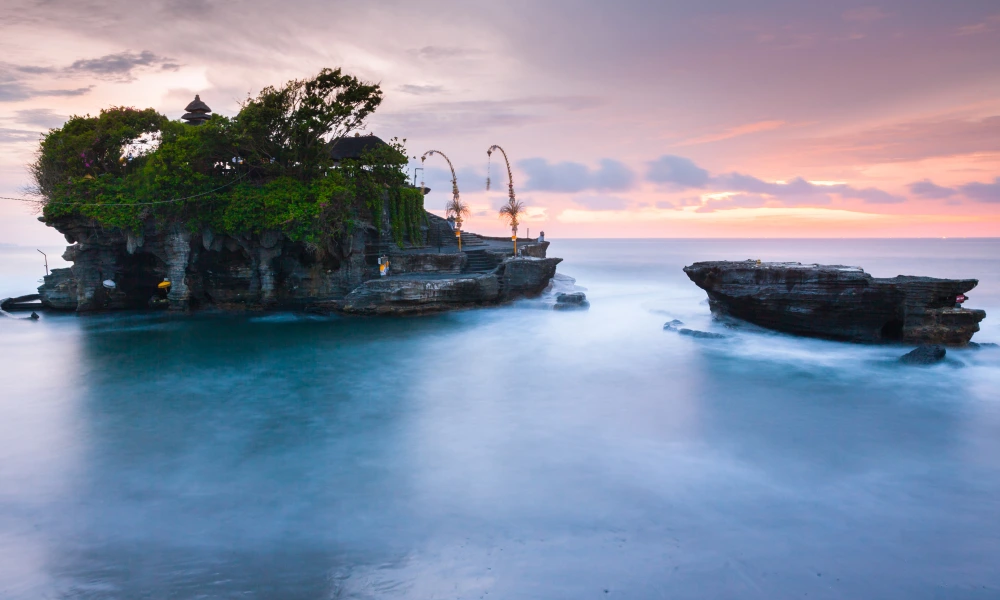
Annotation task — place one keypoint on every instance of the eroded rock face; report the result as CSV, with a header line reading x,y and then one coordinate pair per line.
x,y
410,294
420,293
59,290
525,277
204,269
839,302
269,270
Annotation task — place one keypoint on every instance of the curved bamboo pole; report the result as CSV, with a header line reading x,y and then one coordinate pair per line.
x,y
454,191
510,190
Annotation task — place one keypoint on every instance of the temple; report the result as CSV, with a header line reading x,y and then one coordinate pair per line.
x,y
197,112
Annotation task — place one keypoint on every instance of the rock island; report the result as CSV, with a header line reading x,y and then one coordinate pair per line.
x,y
839,302
283,206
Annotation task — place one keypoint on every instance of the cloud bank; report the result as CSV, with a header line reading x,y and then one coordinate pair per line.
x,y
610,176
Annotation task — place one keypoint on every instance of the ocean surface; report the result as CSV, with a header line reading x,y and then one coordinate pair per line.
x,y
515,452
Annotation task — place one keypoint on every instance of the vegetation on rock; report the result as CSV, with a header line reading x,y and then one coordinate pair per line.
x,y
267,168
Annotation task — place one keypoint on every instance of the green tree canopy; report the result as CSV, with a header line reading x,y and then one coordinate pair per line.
x,y
269,167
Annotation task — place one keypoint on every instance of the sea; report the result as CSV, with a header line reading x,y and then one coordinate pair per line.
x,y
513,452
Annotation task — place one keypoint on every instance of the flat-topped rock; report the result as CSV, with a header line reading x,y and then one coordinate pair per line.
x,y
417,293
839,302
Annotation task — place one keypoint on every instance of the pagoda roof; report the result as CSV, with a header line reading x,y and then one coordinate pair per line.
x,y
195,117
197,105
344,148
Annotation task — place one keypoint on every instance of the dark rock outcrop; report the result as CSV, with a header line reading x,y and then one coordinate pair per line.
x,y
269,270
28,302
409,294
571,301
839,302
59,290
924,355
525,277
421,293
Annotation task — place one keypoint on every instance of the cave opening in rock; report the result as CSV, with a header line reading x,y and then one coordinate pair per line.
x,y
142,272
892,331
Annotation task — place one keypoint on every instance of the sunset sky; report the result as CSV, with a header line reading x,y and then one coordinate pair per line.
x,y
622,119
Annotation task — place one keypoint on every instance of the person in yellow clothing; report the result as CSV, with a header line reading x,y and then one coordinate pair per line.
x,y
159,299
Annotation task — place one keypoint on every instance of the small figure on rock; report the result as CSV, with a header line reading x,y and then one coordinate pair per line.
x,y
924,355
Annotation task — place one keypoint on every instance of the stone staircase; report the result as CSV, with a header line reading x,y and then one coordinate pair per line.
x,y
471,240
478,261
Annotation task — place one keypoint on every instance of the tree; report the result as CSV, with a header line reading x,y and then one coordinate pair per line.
x,y
511,214
91,147
268,168
288,128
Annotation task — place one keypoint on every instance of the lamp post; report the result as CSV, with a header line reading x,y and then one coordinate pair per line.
x,y
455,207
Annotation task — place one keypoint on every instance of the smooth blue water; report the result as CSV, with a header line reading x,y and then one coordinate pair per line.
x,y
504,453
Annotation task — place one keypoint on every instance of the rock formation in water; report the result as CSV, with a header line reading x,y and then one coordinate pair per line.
x,y
270,271
924,355
571,301
839,302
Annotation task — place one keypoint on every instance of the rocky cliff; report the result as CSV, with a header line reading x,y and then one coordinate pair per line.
x,y
839,302
269,270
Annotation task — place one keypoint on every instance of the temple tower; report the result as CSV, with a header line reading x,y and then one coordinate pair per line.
x,y
197,112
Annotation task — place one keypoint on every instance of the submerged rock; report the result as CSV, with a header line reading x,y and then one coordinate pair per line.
x,y
839,302
675,326
21,302
924,355
571,301
982,345
708,335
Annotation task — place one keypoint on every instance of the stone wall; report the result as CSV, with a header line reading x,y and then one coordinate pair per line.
x,y
426,262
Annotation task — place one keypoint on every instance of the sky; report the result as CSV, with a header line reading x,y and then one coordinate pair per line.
x,y
717,118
